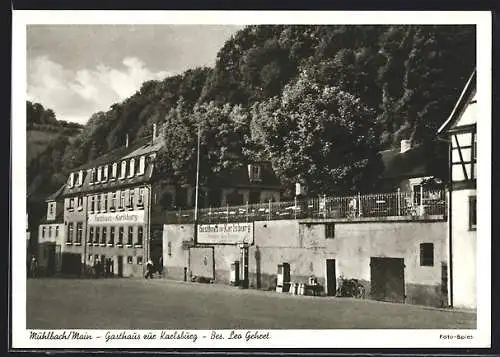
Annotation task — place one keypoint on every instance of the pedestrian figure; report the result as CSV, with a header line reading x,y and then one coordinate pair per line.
x,y
34,267
149,269
97,267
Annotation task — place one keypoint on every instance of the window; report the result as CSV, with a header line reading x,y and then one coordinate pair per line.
x,y
120,235
105,173
89,258
131,199
427,254
104,202
56,233
43,232
104,235
113,202
140,234
91,235
71,204
142,165
130,235
50,232
169,249
80,178
122,200
79,204
71,180
131,168
140,199
97,235
99,174
98,203
69,239
330,230
416,194
92,176
114,171
111,236
129,260
139,260
123,170
51,209
472,213
474,147
79,232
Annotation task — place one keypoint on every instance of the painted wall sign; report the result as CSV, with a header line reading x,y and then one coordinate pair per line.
x,y
130,217
225,233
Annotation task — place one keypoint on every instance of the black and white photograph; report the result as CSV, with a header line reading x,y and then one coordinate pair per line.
x,y
187,180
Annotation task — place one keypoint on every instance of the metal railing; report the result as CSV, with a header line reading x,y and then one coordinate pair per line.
x,y
413,205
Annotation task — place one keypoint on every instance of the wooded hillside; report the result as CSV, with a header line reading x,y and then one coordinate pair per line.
x,y
317,101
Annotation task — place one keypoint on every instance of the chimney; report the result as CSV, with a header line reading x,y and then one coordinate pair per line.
x,y
405,145
154,131
126,140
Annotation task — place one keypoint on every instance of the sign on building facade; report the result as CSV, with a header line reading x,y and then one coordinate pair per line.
x,y
130,217
225,233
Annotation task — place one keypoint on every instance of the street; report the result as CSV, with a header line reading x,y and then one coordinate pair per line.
x,y
164,304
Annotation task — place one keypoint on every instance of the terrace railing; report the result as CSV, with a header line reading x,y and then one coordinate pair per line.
x,y
412,205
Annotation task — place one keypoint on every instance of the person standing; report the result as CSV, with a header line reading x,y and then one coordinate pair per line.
x,y
34,267
149,269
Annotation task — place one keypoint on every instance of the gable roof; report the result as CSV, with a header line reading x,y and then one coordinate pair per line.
x,y
239,177
467,93
56,195
143,145
410,164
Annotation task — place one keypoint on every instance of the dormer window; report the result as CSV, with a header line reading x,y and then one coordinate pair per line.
x,y
71,180
105,173
99,174
123,170
142,165
254,172
92,176
114,171
131,168
80,178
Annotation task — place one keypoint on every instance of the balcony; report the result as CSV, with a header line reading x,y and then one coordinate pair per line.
x,y
393,206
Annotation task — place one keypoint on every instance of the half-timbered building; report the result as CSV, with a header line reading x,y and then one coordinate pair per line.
x,y
460,131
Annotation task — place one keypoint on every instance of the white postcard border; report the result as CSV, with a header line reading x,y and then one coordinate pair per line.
x,y
279,338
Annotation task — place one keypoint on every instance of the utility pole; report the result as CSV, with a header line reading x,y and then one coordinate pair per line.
x,y
197,187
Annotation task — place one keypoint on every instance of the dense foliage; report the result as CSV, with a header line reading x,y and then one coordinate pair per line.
x,y
318,101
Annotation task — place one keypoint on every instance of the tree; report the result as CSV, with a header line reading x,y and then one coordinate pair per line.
x,y
320,136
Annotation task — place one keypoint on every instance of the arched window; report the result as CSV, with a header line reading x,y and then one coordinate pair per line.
x,y
142,165
80,178
105,173
114,171
131,168
71,180
123,170
92,176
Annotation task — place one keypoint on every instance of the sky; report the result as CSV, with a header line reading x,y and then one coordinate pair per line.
x,y
77,70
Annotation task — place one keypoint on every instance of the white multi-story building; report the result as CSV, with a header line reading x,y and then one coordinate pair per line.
x,y
460,131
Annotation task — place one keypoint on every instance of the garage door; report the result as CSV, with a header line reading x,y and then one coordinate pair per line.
x,y
387,279
201,261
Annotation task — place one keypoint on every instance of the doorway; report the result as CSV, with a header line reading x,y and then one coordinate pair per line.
x,y
387,279
331,277
120,266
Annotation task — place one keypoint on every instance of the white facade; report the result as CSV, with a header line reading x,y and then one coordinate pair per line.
x,y
460,131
